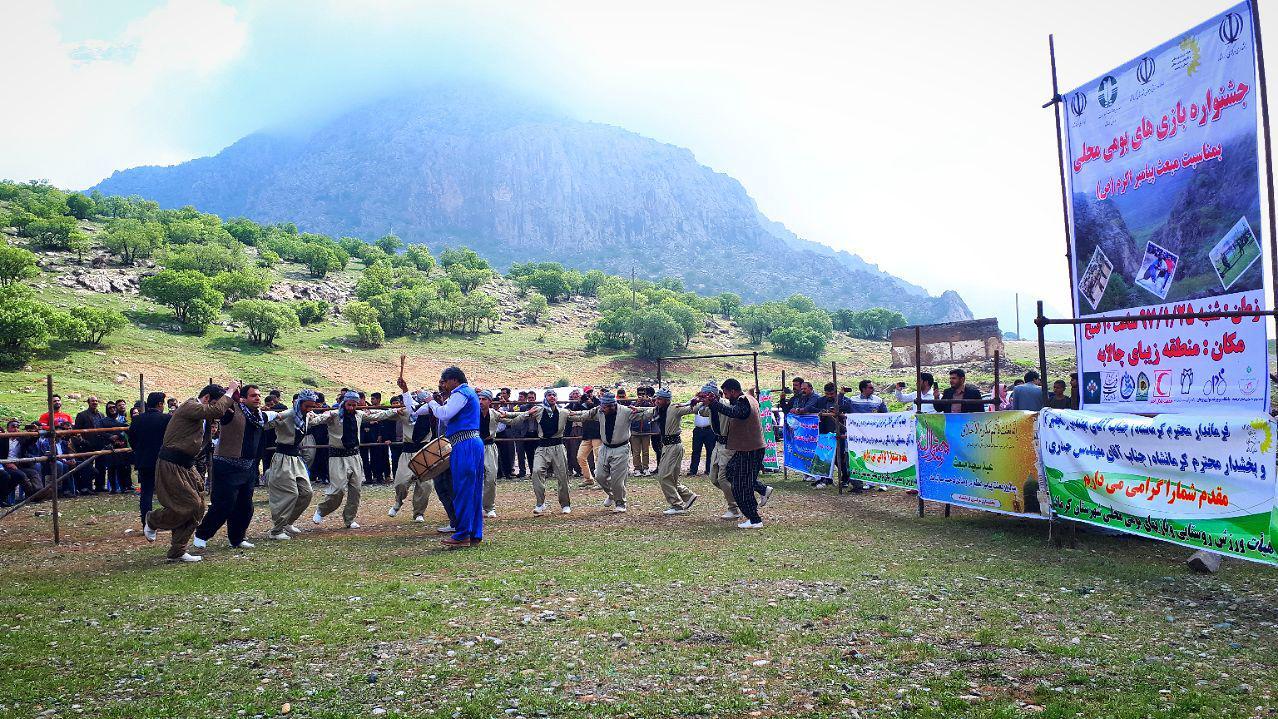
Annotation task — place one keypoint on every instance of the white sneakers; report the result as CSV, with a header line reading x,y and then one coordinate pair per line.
x,y
539,510
419,519
148,532
244,544
188,557
318,517
750,525
608,502
619,509
279,535
675,510
730,514
394,510
353,525
565,510
199,543
446,529
767,494
491,514
293,529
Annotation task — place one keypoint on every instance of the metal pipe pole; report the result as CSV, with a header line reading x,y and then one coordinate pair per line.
x,y
53,462
1042,351
1061,132
785,470
141,388
1269,153
998,387
838,416
658,373
918,380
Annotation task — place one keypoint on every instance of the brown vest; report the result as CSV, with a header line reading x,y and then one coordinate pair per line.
x,y
746,435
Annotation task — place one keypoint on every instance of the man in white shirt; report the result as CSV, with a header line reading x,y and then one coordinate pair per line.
x,y
926,389
702,440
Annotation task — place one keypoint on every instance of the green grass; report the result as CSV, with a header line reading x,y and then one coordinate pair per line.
x,y
844,603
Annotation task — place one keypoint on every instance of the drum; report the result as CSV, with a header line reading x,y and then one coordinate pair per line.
x,y
432,460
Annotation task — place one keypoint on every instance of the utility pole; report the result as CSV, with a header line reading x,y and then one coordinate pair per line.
x,y
1018,315
634,312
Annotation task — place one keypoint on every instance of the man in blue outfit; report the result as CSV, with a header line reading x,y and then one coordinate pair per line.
x,y
461,412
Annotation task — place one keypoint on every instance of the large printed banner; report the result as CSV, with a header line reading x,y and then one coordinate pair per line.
x,y
769,431
1202,481
882,449
807,450
1165,217
982,460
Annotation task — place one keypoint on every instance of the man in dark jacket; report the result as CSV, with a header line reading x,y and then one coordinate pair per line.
x,y
146,436
960,389
89,419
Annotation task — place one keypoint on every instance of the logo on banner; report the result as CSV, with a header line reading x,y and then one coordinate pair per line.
x,y
1186,380
1142,388
1145,70
1078,103
1128,386
1162,384
1107,91
1092,387
1230,28
1110,388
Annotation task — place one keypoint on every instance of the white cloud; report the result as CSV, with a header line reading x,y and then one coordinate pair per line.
x,y
93,107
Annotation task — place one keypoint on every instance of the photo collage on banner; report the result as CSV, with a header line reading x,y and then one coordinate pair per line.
x,y
807,449
980,460
1165,217
1202,481
882,449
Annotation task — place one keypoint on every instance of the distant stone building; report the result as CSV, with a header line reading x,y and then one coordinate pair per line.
x,y
949,342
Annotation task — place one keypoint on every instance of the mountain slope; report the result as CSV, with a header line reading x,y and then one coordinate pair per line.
x,y
517,183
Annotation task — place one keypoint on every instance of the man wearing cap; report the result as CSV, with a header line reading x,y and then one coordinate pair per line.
x,y
178,488
461,414
669,460
288,482
418,428
345,471
613,421
489,421
234,469
549,422
745,439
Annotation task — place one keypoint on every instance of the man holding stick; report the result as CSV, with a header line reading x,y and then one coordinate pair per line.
x,y
489,420
178,488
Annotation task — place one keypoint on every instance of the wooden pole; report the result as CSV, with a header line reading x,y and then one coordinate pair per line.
x,y
755,358
53,461
785,470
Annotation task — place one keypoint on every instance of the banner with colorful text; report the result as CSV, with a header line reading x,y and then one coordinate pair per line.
x,y
1206,482
807,450
1165,218
882,449
982,460
770,461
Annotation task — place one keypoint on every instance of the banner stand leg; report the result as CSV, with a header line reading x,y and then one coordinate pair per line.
x,y
920,506
947,511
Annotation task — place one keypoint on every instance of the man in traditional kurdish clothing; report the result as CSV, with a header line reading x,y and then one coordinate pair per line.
x,y
178,488
345,472
461,414
745,439
288,482
234,470
418,427
489,421
549,423
668,437
614,458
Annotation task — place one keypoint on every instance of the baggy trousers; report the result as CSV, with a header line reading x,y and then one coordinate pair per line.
x,y
639,446
345,474
180,492
719,459
466,465
490,476
551,462
611,472
231,502
743,472
404,478
668,467
288,490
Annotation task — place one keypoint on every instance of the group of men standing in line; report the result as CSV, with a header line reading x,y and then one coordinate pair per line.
x,y
167,447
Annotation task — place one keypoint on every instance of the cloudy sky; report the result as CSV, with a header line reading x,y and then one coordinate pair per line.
x,y
909,133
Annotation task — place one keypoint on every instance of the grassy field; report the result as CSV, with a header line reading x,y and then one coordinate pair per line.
x,y
843,606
